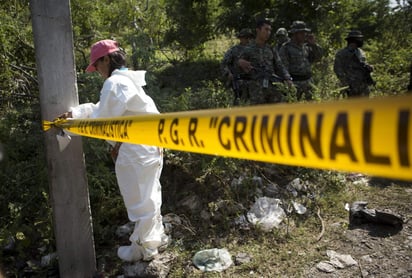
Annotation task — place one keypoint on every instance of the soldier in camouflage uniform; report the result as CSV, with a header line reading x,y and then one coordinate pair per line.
x,y
351,68
281,38
298,55
230,67
260,63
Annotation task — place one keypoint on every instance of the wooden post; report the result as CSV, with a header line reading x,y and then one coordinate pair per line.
x,y
69,196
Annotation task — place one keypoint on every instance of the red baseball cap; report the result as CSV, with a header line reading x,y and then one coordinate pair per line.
x,y
101,49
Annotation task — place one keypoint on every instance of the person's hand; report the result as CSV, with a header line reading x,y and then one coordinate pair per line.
x,y
310,38
246,66
65,115
369,67
230,77
289,83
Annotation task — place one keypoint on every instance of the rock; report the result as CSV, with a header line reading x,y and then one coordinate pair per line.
x,y
159,267
191,202
170,220
367,258
236,182
125,230
340,260
242,222
336,225
336,263
272,190
205,215
257,180
297,184
325,266
242,258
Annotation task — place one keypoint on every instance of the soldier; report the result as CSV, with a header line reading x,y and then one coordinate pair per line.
x,y
351,67
298,55
260,63
281,38
230,67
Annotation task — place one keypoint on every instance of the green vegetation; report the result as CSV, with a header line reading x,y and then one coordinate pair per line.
x,y
181,43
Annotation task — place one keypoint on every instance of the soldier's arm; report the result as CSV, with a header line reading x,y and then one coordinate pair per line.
x,y
279,66
315,50
283,54
339,68
363,61
244,61
225,65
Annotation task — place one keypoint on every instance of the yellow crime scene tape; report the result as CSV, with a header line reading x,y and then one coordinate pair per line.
x,y
371,136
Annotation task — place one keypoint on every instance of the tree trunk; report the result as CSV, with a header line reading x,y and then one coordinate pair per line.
x,y
69,196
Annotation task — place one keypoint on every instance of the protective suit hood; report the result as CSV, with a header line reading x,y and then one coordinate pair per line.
x,y
137,76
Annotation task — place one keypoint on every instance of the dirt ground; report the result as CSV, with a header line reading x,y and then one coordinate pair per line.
x,y
376,250
379,250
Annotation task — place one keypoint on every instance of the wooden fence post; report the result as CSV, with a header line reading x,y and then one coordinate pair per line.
x,y
69,196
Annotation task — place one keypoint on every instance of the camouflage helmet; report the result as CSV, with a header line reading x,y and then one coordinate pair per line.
x,y
281,32
298,26
245,33
354,34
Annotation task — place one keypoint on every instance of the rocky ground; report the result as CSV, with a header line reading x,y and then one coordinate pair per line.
x,y
378,249
360,249
327,243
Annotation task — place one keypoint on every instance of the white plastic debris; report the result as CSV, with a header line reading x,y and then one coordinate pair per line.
x,y
299,208
266,213
347,207
64,140
362,182
297,185
212,259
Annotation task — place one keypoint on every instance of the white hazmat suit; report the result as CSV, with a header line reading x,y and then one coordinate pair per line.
x,y
138,167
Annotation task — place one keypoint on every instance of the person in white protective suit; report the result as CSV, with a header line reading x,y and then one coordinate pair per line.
x,y
138,167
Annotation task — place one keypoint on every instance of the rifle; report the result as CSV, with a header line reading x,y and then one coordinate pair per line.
x,y
261,73
367,73
366,69
235,88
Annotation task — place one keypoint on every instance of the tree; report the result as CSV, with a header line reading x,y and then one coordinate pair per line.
x,y
17,75
190,21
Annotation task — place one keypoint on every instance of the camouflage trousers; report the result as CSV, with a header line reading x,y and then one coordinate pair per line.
x,y
242,93
304,89
358,89
261,92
